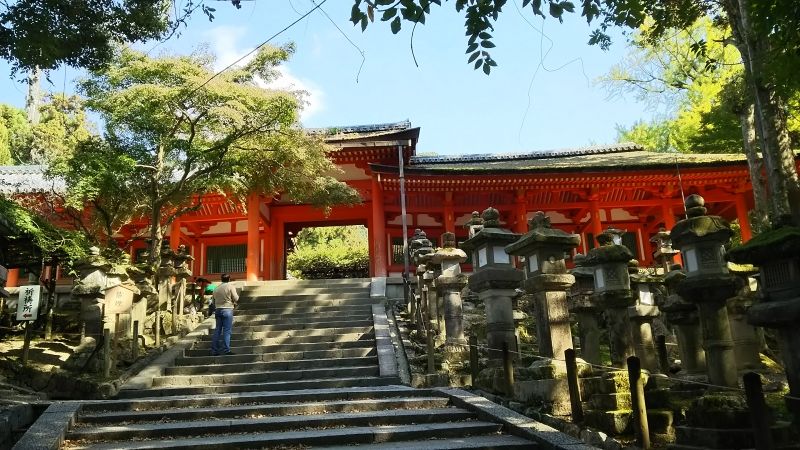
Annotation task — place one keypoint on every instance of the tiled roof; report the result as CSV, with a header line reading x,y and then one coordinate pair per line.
x,y
546,154
27,179
613,157
356,132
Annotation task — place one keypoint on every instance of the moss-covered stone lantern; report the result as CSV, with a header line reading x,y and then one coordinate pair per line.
x,y
701,239
612,291
548,281
581,304
664,254
494,279
449,285
777,254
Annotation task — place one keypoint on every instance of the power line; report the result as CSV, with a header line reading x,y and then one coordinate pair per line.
x,y
218,73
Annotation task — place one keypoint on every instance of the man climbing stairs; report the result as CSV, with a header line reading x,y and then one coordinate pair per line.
x,y
313,366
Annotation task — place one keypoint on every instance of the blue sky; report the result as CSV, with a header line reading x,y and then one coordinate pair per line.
x,y
518,108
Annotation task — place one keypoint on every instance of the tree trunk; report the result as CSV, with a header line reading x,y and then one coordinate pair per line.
x,y
784,190
756,164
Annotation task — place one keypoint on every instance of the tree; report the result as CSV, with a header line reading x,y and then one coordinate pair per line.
x,y
330,252
765,33
173,131
62,126
14,132
46,34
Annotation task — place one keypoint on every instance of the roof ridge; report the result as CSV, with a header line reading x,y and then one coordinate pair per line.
x,y
541,154
388,126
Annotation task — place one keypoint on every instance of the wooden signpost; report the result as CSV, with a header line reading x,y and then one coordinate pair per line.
x,y
28,311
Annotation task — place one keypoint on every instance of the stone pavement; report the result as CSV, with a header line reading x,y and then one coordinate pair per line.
x,y
314,366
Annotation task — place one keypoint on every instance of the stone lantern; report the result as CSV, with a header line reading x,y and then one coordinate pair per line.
x,y
494,279
474,224
612,291
684,317
420,247
701,239
548,281
645,288
777,254
664,253
581,304
89,288
449,285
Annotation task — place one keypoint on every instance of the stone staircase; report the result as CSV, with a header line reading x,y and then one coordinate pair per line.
x,y
308,370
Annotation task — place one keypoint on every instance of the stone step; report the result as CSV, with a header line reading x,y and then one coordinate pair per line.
x,y
277,291
610,402
300,344
320,383
305,284
294,333
256,305
336,436
311,316
264,377
246,398
240,358
230,367
296,309
254,297
291,325
289,340
164,416
491,442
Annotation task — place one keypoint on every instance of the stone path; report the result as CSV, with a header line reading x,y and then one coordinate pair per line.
x,y
314,366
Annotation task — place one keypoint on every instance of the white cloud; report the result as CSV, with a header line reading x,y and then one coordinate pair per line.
x,y
225,44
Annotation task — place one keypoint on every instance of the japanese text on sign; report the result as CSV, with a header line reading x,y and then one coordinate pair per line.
x,y
28,303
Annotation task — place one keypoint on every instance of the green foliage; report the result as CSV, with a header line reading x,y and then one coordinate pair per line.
x,y
48,33
23,224
481,15
330,252
173,130
62,125
15,133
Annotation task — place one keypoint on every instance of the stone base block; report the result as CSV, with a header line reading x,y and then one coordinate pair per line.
x,y
612,422
660,421
553,393
728,438
611,402
657,398
718,410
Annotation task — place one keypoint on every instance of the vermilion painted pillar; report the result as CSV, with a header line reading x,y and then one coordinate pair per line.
x,y
253,237
744,220
379,230
597,225
267,255
13,278
175,234
520,213
449,214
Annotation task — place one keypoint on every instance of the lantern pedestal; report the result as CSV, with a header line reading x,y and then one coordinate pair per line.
x,y
615,306
746,340
710,294
686,320
553,331
455,349
585,311
641,318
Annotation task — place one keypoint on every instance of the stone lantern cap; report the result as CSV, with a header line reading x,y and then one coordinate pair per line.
x,y
540,234
491,232
420,245
474,224
698,226
608,252
780,243
449,251
581,270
